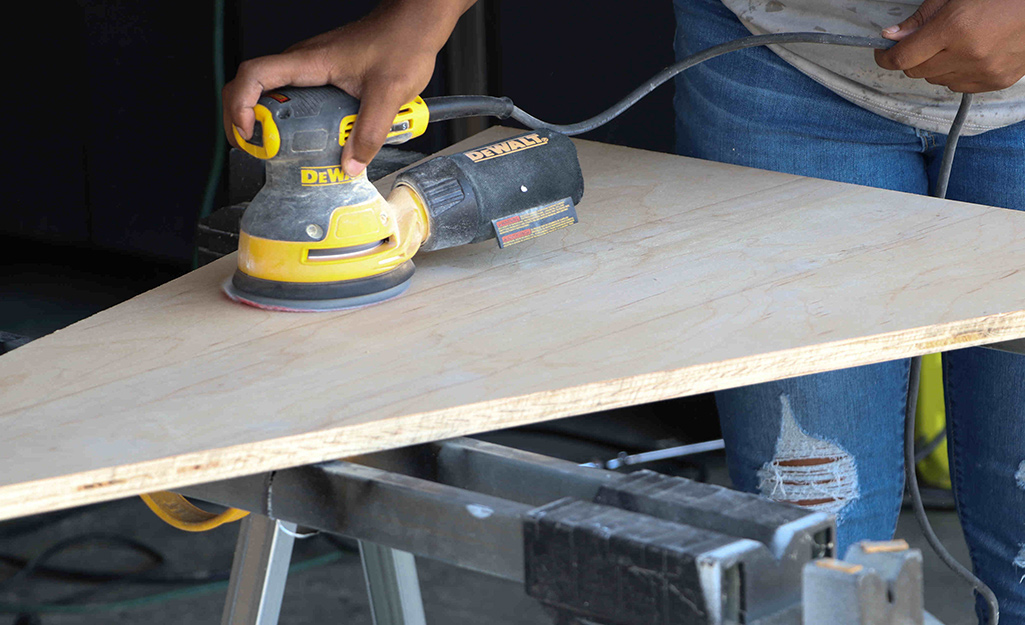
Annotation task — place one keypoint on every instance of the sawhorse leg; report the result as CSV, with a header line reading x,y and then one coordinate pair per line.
x,y
259,572
392,584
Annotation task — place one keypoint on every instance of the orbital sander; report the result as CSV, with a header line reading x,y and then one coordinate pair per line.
x,y
316,239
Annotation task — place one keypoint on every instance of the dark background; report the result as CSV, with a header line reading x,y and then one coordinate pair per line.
x,y
116,148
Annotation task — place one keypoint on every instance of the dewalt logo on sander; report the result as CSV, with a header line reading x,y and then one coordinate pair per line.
x,y
323,176
505,147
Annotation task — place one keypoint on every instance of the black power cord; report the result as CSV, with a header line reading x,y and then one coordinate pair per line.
x,y
911,479
30,566
84,576
914,375
695,59
453,107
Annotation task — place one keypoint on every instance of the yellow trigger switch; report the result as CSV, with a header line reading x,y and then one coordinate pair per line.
x,y
266,140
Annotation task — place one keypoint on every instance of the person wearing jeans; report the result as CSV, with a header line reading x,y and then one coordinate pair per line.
x,y
834,441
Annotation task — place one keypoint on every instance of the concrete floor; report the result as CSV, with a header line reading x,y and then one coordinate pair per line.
x,y
41,297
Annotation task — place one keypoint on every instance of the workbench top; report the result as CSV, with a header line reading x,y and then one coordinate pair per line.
x,y
682,277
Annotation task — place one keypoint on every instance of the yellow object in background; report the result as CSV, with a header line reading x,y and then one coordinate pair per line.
x,y
931,421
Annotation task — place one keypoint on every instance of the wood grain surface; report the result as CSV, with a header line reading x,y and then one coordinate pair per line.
x,y
683,277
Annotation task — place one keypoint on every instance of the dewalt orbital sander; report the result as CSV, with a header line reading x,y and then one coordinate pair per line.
x,y
315,239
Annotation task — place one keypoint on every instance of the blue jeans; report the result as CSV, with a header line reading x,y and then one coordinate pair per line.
x,y
834,441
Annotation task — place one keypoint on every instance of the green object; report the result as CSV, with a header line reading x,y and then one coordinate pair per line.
x,y
220,143
931,422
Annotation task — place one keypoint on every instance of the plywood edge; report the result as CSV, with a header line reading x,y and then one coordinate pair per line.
x,y
100,485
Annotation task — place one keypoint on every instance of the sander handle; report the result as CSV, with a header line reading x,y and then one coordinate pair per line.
x,y
311,124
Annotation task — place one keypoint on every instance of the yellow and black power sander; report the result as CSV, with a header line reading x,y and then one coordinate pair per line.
x,y
315,239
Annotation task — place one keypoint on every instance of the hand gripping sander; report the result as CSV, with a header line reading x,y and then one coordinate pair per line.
x,y
315,239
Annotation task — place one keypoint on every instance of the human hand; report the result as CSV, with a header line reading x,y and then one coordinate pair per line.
x,y
969,46
385,60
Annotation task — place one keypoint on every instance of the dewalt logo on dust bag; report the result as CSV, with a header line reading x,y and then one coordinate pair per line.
x,y
508,146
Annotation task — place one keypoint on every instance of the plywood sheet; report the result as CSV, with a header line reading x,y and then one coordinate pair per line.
x,y
683,277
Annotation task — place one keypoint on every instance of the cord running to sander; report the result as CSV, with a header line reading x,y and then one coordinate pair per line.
x,y
492,106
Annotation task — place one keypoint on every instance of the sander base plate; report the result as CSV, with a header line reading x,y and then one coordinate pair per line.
x,y
320,305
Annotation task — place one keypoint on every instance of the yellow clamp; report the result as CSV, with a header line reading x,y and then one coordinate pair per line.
x,y
178,512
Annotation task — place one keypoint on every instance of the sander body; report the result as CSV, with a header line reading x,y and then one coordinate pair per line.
x,y
315,239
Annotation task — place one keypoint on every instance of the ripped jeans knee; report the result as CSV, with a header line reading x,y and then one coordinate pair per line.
x,y
808,471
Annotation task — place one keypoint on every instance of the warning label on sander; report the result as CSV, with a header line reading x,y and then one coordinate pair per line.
x,y
534,223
